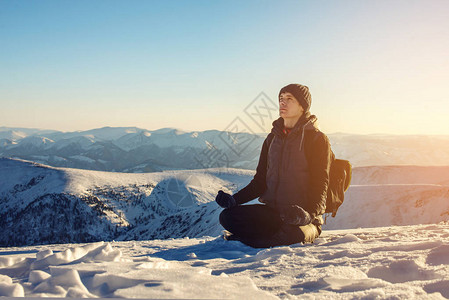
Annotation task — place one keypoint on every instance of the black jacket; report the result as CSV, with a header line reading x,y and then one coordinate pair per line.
x,y
318,155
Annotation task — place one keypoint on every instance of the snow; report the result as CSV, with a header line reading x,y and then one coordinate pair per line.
x,y
105,133
36,141
12,135
396,262
392,204
84,142
390,240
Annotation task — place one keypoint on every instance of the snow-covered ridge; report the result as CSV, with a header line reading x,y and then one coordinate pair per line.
x,y
131,149
136,150
42,204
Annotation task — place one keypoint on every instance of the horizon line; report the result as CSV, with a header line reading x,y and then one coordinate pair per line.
x,y
212,129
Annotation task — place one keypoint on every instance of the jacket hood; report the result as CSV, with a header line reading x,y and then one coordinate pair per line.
x,y
306,122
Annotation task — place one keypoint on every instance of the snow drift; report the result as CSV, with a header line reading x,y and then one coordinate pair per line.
x,y
402,262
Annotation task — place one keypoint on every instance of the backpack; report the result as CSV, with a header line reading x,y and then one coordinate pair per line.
x,y
340,175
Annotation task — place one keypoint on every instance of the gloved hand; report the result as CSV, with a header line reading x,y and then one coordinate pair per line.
x,y
295,215
225,200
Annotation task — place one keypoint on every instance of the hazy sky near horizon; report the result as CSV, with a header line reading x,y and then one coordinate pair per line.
x,y
371,66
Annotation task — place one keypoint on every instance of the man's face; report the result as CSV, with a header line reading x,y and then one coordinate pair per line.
x,y
289,107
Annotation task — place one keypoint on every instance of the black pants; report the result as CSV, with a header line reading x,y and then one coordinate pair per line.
x,y
260,226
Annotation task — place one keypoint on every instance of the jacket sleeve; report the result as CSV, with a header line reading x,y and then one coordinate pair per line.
x,y
320,159
258,184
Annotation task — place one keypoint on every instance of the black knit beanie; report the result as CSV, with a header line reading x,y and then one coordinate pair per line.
x,y
300,92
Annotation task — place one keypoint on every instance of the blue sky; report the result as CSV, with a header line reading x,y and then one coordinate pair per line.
x,y
372,66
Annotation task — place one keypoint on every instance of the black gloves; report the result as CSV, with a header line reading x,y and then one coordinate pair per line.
x,y
295,215
225,200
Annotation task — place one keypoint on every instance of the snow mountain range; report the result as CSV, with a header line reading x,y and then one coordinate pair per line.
x,y
135,150
40,204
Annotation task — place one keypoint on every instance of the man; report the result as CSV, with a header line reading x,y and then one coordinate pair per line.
x,y
291,180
